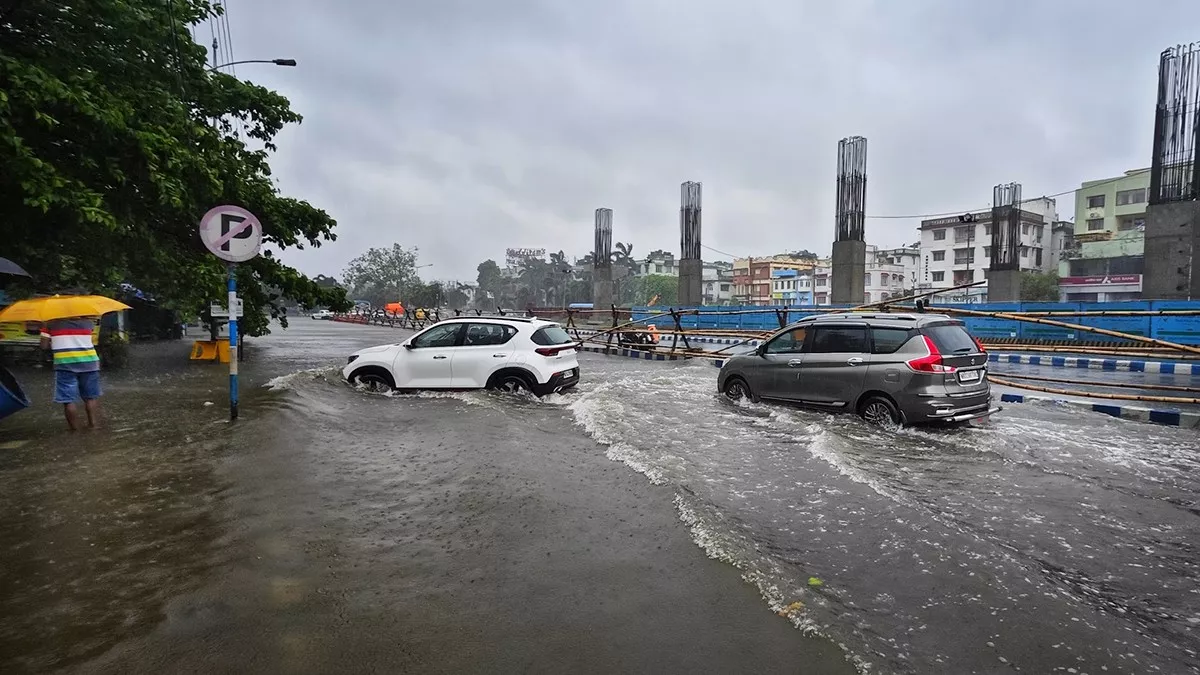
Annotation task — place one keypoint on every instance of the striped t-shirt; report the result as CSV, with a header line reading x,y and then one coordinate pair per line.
x,y
71,342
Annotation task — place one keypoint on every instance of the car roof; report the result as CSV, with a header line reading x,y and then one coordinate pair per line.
x,y
491,318
879,318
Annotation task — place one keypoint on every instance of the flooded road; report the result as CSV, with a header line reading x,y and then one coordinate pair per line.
x,y
333,530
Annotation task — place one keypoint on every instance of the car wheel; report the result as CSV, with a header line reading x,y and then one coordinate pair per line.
x,y
376,383
513,384
880,411
736,389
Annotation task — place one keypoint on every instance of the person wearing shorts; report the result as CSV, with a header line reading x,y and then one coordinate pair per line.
x,y
76,367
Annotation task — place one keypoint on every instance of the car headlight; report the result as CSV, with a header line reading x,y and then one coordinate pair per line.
x,y
351,359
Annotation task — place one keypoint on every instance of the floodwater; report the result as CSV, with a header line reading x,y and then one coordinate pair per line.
x,y
474,532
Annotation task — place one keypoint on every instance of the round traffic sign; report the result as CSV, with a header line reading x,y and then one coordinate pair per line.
x,y
231,233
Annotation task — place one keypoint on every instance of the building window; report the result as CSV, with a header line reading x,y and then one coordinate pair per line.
x,y
985,275
1096,202
1125,197
939,276
1038,232
1024,251
1024,229
939,235
939,256
1037,257
987,252
963,277
867,279
1132,223
963,234
987,230
821,281
963,256
1094,224
658,269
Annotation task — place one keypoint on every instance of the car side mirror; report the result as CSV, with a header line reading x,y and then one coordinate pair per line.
x,y
761,351
409,345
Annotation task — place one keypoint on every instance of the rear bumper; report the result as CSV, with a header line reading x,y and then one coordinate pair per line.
x,y
967,416
557,383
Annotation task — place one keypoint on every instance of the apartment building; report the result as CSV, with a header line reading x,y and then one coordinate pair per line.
x,y
890,273
658,262
1106,258
957,250
791,287
717,283
752,277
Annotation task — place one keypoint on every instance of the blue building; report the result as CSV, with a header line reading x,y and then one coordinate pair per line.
x,y
791,287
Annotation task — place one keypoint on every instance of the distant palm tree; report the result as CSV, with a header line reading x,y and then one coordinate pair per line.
x,y
624,254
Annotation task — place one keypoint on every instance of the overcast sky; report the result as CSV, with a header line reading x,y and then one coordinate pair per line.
x,y
463,127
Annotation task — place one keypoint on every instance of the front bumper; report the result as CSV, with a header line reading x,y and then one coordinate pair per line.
x,y
557,383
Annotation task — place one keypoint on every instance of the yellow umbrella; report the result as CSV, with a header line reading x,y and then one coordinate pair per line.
x,y
60,307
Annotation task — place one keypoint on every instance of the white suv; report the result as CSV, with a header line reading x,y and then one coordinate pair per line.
x,y
473,353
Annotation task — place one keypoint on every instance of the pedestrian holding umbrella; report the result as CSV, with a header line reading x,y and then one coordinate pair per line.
x,y
67,322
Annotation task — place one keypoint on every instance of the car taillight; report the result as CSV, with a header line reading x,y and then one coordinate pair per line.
x,y
979,344
931,362
553,351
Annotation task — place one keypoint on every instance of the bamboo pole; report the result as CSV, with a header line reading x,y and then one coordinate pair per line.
x,y
1063,324
1109,385
1113,312
917,296
1084,394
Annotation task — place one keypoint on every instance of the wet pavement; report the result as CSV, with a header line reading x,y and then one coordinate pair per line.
x,y
599,531
335,531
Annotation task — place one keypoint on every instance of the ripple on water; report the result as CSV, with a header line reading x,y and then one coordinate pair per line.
x,y
1079,525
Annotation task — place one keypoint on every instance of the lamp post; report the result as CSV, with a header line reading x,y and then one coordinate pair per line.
x,y
278,62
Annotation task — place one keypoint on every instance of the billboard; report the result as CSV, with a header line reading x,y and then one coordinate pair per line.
x,y
513,257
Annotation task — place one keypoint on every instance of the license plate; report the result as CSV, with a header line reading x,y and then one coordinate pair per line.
x,y
969,376
569,373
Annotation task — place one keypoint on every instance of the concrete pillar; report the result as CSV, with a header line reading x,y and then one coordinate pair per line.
x,y
691,283
1171,251
849,283
602,287
1004,286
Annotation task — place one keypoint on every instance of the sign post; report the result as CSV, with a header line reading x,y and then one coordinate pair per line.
x,y
234,235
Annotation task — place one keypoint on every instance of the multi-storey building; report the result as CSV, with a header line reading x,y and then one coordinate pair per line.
x,y
752,283
890,273
718,283
1106,260
658,262
791,287
957,250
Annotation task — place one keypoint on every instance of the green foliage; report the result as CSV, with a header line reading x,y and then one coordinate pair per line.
x,y
664,286
488,282
113,350
115,139
1037,287
383,275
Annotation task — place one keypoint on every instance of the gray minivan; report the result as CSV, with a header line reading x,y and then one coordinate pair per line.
x,y
888,368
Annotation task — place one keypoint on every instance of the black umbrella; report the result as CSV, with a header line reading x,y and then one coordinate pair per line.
x,y
9,267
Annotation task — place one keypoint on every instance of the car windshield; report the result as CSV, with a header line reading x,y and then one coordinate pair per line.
x,y
951,338
551,335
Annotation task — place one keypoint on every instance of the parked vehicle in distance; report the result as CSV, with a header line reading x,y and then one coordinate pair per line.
x,y
888,368
322,314
478,352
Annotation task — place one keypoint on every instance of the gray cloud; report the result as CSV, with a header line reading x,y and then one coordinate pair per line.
x,y
463,127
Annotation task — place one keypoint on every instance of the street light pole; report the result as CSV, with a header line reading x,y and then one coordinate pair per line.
x,y
278,62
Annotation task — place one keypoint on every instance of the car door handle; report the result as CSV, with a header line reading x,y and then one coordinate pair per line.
x,y
854,361
794,362
499,356
439,357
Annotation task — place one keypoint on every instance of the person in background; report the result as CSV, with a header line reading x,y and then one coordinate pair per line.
x,y
76,367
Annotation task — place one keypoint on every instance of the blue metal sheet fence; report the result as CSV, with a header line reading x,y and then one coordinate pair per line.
x,y
1181,329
